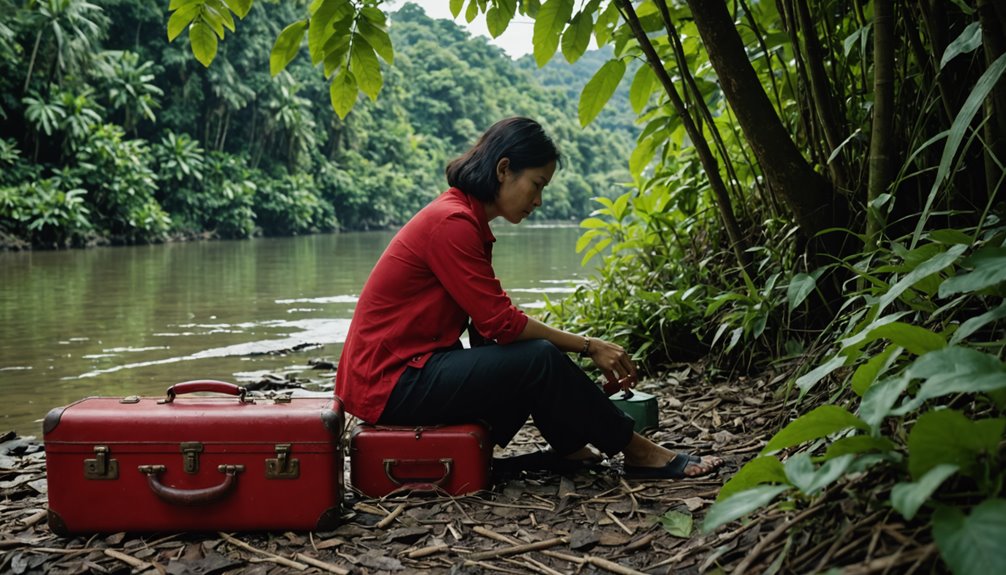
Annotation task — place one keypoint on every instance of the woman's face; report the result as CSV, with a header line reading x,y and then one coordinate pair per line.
x,y
519,193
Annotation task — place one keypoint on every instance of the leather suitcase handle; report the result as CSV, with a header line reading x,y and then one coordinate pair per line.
x,y
447,463
192,497
205,385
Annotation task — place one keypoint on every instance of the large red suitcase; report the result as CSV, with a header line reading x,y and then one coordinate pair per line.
x,y
194,463
451,458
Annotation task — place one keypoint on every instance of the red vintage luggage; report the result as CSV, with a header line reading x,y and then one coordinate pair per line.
x,y
386,459
194,463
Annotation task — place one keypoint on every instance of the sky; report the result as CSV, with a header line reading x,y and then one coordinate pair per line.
x,y
515,41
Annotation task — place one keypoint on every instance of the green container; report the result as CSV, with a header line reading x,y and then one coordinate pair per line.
x,y
642,407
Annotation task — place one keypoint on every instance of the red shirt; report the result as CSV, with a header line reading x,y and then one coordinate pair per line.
x,y
435,274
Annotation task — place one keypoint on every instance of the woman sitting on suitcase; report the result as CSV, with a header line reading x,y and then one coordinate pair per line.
x,y
403,363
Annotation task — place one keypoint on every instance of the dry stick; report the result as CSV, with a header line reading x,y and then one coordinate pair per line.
x,y
517,549
775,534
322,565
612,566
532,565
128,559
426,551
891,561
617,522
275,558
391,516
492,567
510,541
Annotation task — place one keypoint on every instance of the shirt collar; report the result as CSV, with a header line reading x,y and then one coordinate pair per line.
x,y
480,214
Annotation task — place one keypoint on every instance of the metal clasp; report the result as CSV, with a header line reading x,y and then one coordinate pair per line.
x,y
102,466
190,456
282,466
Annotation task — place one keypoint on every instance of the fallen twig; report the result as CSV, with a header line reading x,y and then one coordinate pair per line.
x,y
517,549
391,516
127,559
271,556
322,565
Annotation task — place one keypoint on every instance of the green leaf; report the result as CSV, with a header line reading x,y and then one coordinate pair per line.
x,y
880,397
239,7
374,16
917,340
224,13
960,128
801,472
213,19
605,24
472,12
599,90
181,18
907,498
286,47
456,6
867,373
176,4
858,444
760,470
947,436
740,504
576,38
968,41
548,25
810,379
343,92
972,545
801,286
974,324
989,270
935,264
955,370
321,26
366,68
677,524
378,40
820,422
642,86
204,43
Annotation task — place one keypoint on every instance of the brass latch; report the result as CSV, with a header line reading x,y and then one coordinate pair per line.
x,y
102,466
283,466
190,456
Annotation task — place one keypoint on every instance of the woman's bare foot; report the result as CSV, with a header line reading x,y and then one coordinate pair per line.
x,y
641,453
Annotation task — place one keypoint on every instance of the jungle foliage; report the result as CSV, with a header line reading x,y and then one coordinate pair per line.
x,y
816,181
108,132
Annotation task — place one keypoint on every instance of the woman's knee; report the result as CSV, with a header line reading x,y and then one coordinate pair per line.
x,y
543,351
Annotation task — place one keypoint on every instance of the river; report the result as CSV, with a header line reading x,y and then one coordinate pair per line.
x,y
133,320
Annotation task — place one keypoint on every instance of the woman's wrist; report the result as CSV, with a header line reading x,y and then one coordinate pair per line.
x,y
585,352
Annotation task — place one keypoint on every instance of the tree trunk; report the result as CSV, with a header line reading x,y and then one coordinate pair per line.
x,y
883,117
812,198
706,157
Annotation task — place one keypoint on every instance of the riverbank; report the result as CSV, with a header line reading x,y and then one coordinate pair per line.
x,y
590,520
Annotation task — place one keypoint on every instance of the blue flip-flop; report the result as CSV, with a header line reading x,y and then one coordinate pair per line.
x,y
674,469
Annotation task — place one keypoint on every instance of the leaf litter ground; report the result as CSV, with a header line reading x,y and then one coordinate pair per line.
x,y
531,521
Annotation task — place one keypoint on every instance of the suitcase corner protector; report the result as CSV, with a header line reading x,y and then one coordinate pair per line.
x,y
329,519
56,524
52,419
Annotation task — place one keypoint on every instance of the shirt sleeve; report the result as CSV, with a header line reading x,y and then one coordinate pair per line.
x,y
457,257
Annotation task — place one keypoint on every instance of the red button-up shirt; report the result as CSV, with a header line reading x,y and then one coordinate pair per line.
x,y
435,274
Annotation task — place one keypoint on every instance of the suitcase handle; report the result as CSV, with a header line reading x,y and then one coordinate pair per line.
x,y
192,497
205,385
448,464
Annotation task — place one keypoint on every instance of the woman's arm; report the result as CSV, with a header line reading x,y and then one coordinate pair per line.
x,y
611,358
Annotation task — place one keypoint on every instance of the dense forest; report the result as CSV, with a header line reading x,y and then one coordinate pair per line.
x,y
110,133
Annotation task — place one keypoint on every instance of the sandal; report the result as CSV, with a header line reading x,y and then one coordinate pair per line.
x,y
674,469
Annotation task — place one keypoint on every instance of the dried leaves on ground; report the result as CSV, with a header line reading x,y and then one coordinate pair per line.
x,y
532,521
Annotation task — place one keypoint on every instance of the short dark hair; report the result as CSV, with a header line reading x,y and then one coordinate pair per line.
x,y
522,140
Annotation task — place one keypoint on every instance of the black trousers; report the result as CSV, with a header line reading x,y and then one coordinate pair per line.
x,y
504,384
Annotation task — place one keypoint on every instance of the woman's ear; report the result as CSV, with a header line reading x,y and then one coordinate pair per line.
x,y
501,168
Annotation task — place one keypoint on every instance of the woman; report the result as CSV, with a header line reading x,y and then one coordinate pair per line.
x,y
403,362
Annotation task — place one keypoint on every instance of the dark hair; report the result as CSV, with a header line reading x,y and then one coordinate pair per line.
x,y
521,140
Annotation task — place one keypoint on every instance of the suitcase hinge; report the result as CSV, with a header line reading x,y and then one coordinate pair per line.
x,y
190,456
102,466
282,466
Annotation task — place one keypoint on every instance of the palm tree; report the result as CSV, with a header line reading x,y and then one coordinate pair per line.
x,y
74,25
130,86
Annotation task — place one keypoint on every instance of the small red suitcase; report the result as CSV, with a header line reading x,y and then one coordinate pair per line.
x,y
198,463
453,458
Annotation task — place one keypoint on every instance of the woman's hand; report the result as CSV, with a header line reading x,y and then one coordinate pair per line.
x,y
614,362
